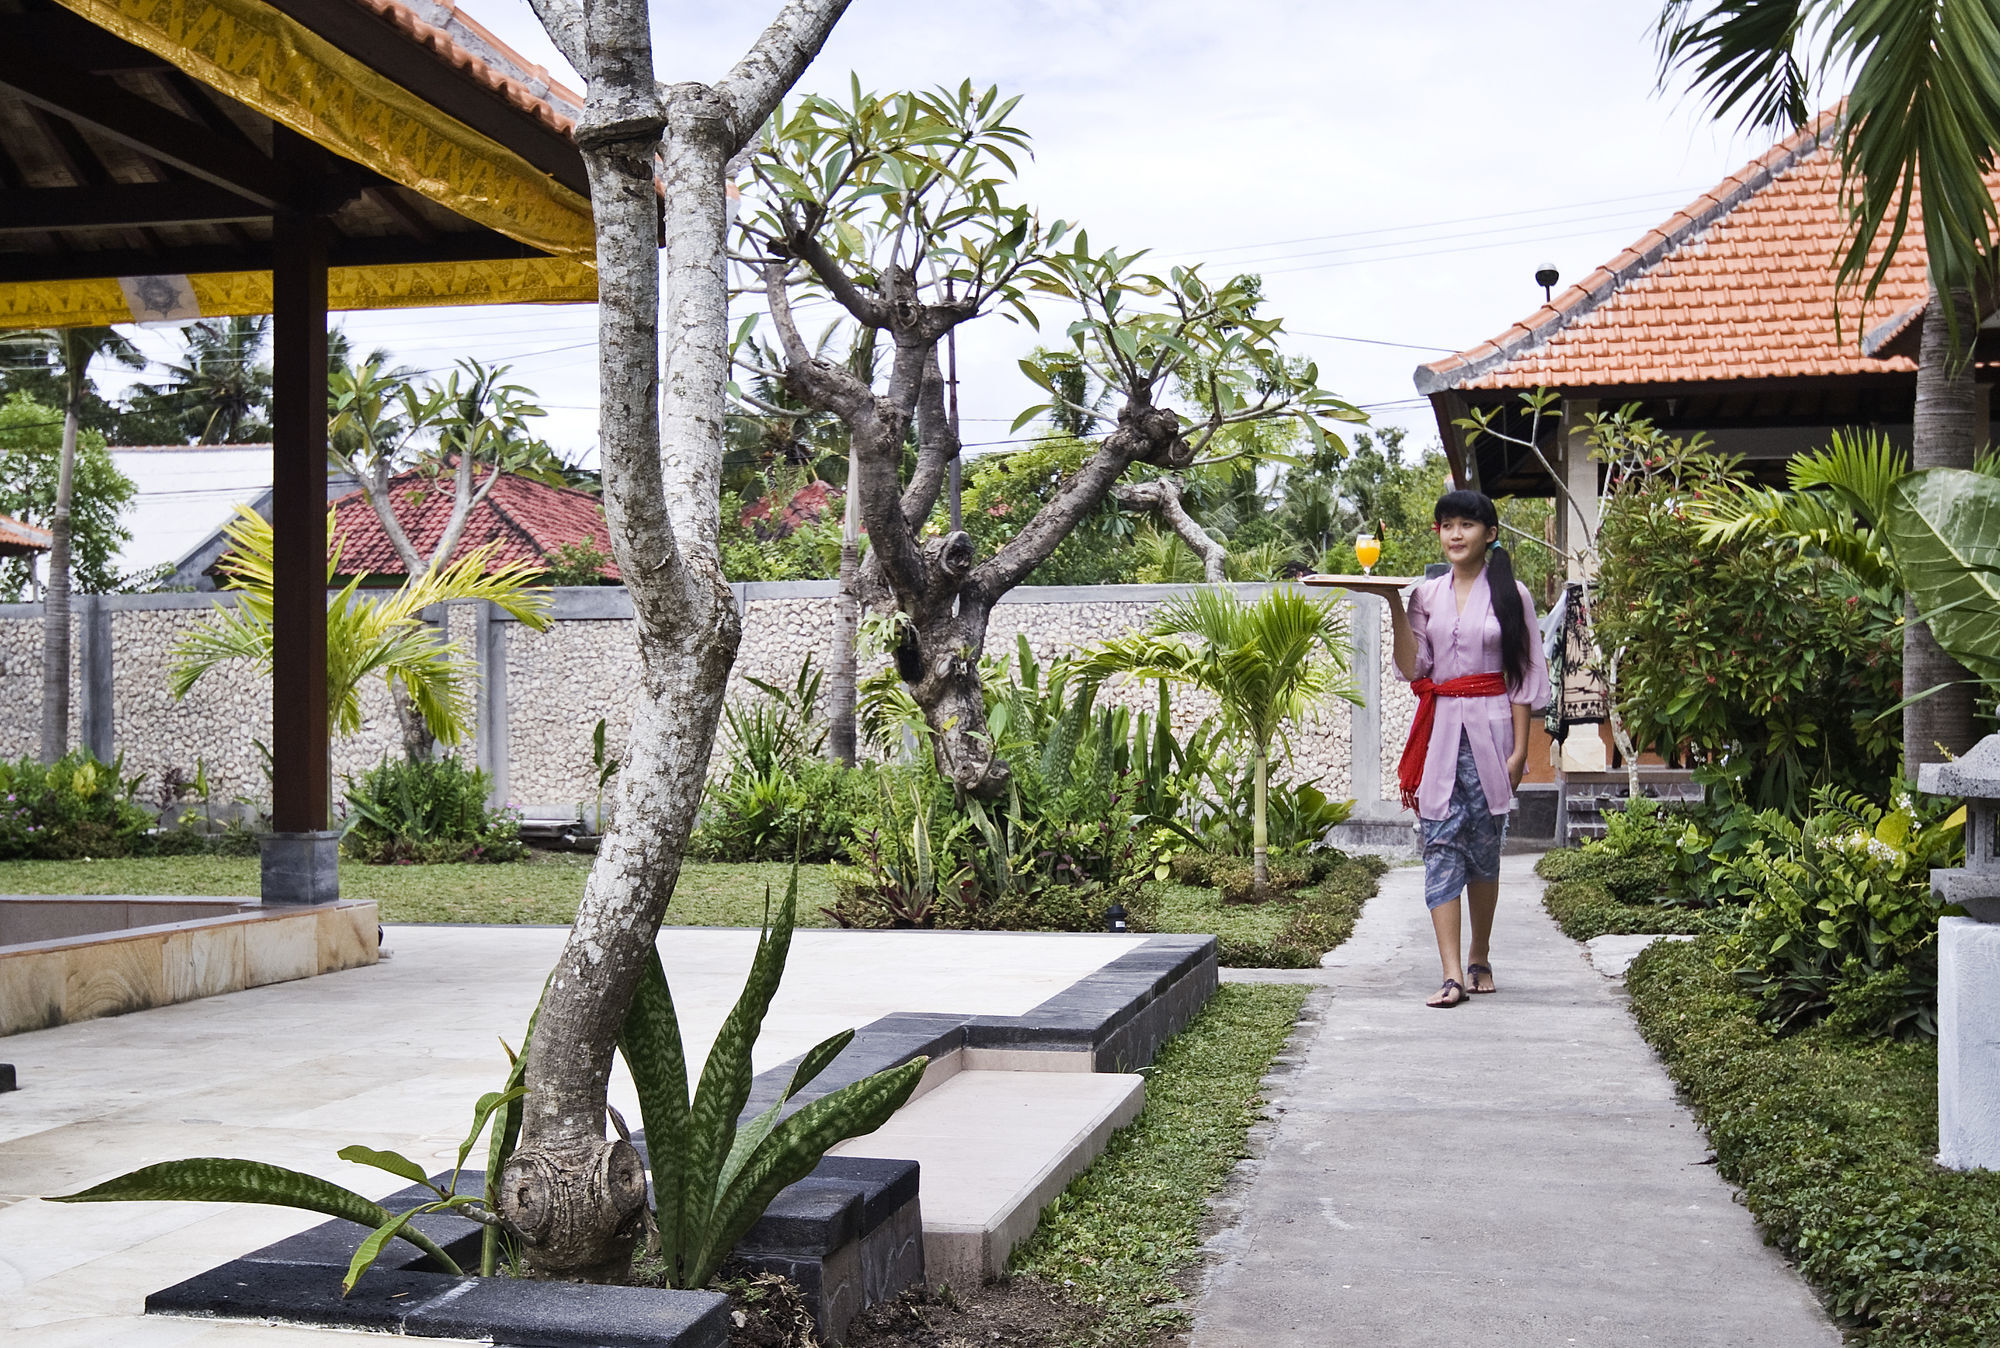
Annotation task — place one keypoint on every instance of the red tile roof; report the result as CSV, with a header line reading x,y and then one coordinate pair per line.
x,y
1738,285
528,519
19,538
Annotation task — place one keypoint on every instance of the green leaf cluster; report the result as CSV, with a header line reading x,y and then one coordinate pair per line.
x,y
1762,664
428,811
713,1176
73,807
368,633
30,461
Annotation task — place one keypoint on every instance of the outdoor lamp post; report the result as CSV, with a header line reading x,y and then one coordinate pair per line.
x,y
1969,965
1114,917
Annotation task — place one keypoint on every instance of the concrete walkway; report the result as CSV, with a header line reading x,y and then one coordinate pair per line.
x,y
1512,1172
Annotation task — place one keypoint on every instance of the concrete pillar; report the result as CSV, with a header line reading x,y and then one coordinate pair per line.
x,y
1968,1044
95,718
1578,472
489,647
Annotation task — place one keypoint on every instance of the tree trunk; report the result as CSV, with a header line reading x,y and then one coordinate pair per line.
x,y
840,694
1945,433
943,654
1260,833
577,1197
55,610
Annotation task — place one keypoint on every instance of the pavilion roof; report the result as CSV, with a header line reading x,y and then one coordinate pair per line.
x,y
146,144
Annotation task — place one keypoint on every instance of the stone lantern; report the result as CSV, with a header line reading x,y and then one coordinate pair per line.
x,y
1969,965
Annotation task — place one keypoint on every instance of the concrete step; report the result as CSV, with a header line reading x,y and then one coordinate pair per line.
x,y
996,1147
1375,833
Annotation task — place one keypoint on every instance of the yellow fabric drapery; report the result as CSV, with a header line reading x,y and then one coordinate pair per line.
x,y
272,63
100,302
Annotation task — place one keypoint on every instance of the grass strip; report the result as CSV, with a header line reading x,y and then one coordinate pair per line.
x,y
1832,1139
545,888
1120,1236
1290,931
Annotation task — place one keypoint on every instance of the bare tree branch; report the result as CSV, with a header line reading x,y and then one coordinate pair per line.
x,y
1163,495
774,63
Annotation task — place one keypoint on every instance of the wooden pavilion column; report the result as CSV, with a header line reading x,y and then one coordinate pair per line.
x,y
301,853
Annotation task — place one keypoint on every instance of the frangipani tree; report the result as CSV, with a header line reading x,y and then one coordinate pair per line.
x,y
1267,664
895,209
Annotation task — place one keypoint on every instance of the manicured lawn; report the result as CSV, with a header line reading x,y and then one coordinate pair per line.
x,y
545,888
1126,1231
1833,1140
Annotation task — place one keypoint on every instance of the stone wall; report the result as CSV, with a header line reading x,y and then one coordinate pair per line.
x,y
543,692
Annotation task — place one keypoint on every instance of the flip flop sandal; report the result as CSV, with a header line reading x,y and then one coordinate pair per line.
x,y
1472,972
1452,988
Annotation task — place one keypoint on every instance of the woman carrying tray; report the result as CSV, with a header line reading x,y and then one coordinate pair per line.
x,y
1468,648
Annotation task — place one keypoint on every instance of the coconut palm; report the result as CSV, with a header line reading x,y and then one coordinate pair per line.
x,y
365,633
1922,119
73,349
1266,663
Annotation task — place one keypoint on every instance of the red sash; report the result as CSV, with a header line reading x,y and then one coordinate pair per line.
x,y
1410,770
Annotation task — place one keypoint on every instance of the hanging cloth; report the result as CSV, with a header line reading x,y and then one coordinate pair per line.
x,y
1579,693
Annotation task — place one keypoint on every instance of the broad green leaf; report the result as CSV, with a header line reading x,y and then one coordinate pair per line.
x,y
392,1161
651,1044
749,1139
794,1148
369,1250
222,1179
1944,526
481,1112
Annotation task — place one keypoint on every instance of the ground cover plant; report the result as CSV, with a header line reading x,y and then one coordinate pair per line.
x,y
1291,930
545,888
1115,1249
73,807
1832,1138
426,811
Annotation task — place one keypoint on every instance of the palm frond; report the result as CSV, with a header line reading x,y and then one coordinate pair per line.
x,y
1744,57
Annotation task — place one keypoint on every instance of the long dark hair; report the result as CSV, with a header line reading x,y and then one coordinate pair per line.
x,y
1514,638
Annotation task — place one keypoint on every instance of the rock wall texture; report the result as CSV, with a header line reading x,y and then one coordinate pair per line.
x,y
545,691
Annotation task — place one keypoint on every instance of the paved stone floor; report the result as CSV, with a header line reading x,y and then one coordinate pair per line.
x,y
1513,1172
391,1056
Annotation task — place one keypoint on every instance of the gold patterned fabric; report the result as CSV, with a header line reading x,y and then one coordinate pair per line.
x,y
100,302
272,63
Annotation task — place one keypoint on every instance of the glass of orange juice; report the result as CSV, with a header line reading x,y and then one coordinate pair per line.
x,y
1367,551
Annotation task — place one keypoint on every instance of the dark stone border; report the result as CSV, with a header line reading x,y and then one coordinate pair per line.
x,y
851,1233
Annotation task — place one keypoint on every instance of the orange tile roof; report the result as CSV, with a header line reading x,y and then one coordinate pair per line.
x,y
1737,285
19,539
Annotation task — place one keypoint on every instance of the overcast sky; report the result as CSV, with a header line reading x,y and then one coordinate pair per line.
x,y
1395,172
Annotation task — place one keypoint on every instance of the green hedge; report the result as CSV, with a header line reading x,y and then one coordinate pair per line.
x,y
1832,1139
1585,909
1289,931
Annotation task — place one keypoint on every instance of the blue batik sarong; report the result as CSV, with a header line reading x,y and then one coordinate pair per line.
x,y
1465,844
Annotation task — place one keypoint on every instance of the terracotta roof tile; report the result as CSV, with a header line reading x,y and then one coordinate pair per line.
x,y
528,519
1739,284
508,83
19,538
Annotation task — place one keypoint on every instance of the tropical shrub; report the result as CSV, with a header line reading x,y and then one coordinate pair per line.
x,y
74,807
776,799
1760,664
427,811
1842,924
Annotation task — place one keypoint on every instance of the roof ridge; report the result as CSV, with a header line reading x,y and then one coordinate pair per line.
x,y
1637,259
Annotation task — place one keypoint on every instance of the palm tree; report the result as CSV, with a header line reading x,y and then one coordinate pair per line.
x,y
1922,118
1266,663
73,350
365,635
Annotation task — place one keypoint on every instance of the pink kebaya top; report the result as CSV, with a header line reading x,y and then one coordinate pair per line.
x,y
1450,645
